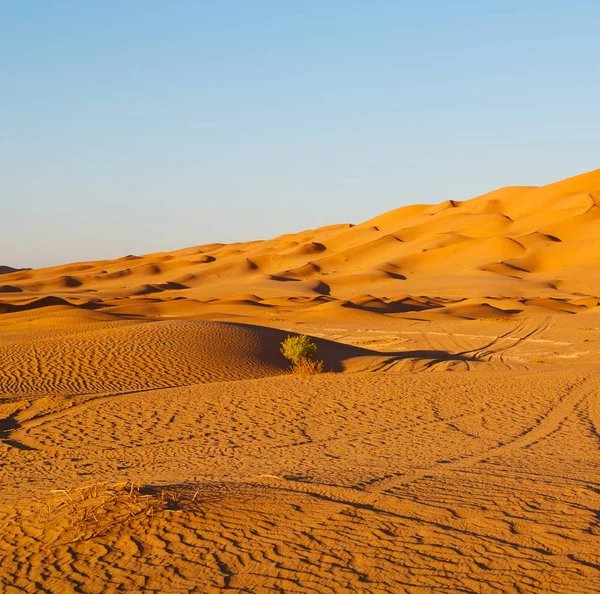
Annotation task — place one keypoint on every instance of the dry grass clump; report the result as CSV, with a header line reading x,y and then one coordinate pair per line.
x,y
307,367
70,515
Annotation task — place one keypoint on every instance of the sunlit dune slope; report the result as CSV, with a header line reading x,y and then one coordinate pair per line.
x,y
516,242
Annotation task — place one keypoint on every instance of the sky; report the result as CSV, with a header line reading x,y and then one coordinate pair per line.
x,y
142,126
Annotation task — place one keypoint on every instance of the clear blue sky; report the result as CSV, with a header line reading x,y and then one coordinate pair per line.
x,y
137,126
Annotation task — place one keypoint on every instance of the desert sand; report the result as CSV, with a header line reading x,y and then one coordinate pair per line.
x,y
152,437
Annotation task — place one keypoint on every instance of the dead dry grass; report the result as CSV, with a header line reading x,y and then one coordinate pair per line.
x,y
66,516
307,367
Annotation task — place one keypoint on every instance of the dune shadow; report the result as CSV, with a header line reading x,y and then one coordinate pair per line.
x,y
49,301
71,282
322,288
8,425
395,275
10,289
392,307
427,358
283,279
93,305
429,354
13,443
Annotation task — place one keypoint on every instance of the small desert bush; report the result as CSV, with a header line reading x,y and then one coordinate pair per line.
x,y
300,350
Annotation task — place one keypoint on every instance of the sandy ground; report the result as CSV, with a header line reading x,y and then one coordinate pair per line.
x,y
152,439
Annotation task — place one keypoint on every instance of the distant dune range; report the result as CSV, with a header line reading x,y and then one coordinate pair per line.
x,y
518,249
453,443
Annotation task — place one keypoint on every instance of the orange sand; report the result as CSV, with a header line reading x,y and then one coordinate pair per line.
x,y
374,477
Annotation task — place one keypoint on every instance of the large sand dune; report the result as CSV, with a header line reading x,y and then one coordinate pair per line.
x,y
152,439
518,242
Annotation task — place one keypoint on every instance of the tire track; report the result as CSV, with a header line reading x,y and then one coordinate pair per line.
x,y
546,425
519,334
593,413
19,433
449,355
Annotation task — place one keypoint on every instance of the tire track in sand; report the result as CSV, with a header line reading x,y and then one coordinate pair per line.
x,y
545,425
443,351
375,496
18,433
525,330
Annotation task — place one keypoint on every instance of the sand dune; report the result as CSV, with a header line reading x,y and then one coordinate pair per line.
x,y
102,352
152,437
526,234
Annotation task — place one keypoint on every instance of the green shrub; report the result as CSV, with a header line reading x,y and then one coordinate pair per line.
x,y
298,349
